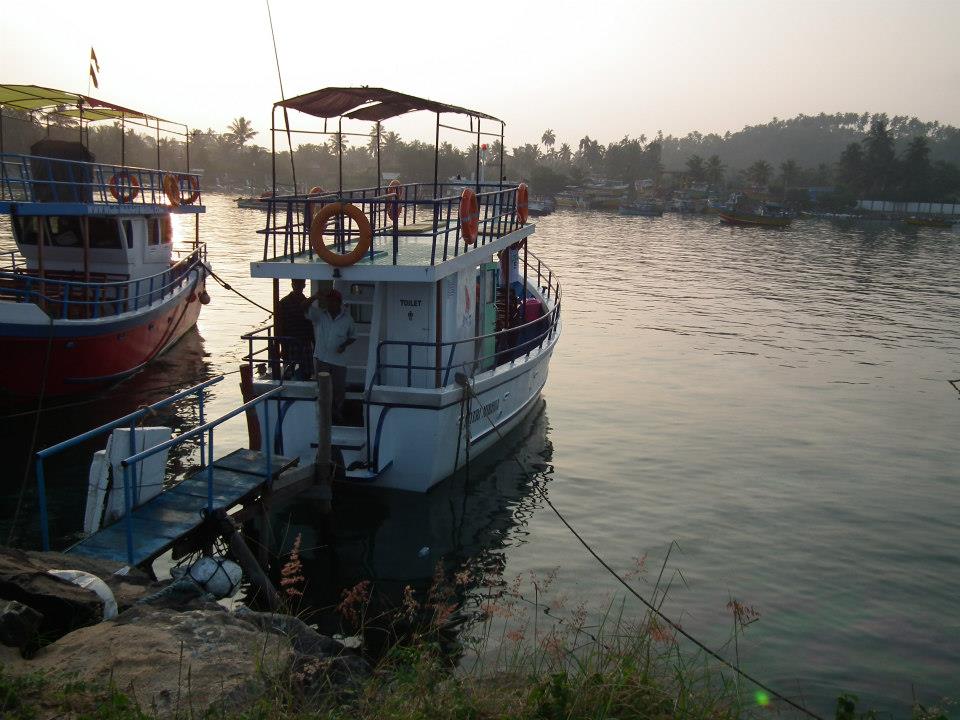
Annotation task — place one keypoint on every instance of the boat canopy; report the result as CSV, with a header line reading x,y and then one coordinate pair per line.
x,y
369,104
32,98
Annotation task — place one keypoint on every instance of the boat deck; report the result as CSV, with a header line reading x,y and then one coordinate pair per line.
x,y
175,513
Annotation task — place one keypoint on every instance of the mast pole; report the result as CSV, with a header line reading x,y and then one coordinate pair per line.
x,y
379,174
436,161
478,157
501,176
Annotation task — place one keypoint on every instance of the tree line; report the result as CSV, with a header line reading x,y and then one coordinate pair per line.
x,y
859,155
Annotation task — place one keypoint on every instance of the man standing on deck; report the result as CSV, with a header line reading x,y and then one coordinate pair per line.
x,y
295,333
332,333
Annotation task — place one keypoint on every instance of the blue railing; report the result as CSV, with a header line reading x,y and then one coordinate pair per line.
x,y
78,299
37,179
132,420
419,216
129,463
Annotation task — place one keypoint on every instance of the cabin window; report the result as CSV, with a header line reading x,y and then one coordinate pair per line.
x,y
153,232
66,231
27,229
105,234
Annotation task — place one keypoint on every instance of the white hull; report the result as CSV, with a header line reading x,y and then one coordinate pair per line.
x,y
413,433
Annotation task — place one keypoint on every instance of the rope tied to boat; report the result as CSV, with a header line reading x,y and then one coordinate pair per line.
x,y
650,606
228,286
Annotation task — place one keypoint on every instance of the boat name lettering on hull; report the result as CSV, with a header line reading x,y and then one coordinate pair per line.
x,y
485,411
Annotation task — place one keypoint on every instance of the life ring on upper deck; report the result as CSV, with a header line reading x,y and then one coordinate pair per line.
x,y
469,216
129,187
308,207
171,188
192,184
318,226
394,196
523,203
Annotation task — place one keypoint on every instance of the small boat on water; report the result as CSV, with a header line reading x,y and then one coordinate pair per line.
x,y
930,222
255,203
451,350
760,215
540,206
643,208
95,289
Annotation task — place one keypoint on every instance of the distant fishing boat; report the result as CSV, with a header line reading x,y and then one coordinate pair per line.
x,y
765,215
540,206
929,222
255,203
642,208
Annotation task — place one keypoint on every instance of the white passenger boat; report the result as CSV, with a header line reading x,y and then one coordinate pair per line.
x,y
457,319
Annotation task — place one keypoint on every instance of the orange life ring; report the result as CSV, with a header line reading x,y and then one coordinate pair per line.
x,y
129,187
523,203
395,190
171,188
192,184
318,226
308,208
469,215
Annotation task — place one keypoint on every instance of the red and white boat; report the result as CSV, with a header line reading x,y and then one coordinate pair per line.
x,y
95,289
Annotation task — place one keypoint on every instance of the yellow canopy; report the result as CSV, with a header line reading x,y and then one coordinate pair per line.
x,y
34,97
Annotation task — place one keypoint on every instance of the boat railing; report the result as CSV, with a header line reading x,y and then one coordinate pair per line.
x,y
38,179
279,353
66,298
131,421
413,213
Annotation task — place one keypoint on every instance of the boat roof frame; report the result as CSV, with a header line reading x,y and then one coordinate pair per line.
x,y
372,105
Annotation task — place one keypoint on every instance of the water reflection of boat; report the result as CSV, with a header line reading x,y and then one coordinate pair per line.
x,y
929,222
95,289
395,539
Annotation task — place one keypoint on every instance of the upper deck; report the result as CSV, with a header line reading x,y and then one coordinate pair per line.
x,y
424,242
49,186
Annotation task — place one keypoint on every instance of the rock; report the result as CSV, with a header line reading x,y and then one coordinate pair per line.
x,y
305,640
181,594
173,662
18,625
62,605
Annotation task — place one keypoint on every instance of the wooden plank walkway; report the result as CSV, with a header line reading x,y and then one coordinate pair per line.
x,y
160,522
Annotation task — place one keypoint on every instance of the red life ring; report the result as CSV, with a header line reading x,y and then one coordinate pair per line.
x,y
316,190
523,203
319,226
171,188
469,216
394,196
192,184
129,187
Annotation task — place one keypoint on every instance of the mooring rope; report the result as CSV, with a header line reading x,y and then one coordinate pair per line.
x,y
652,608
228,286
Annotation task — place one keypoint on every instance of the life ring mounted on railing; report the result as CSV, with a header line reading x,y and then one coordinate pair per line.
x,y
318,226
124,187
308,207
469,216
394,196
171,188
523,203
191,184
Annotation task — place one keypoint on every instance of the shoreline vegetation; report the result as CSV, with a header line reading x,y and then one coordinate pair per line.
x,y
520,652
845,156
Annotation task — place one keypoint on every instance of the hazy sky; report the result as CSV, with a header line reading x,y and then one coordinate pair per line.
x,y
604,68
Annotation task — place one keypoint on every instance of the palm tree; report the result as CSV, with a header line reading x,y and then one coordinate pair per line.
x,y
695,168
759,173
565,153
548,138
240,131
715,170
789,171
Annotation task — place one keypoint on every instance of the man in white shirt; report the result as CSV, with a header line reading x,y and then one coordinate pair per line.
x,y
332,333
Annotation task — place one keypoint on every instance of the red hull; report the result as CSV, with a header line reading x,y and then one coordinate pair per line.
x,y
82,363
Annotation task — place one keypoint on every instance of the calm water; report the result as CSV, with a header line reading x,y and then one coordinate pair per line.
x,y
776,403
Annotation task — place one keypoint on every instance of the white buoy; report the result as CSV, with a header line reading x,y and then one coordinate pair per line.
x,y
216,575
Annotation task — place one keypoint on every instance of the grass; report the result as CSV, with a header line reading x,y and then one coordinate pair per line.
x,y
523,655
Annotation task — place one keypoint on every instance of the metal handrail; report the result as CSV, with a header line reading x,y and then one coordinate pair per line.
x,y
287,219
156,286
76,181
130,420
